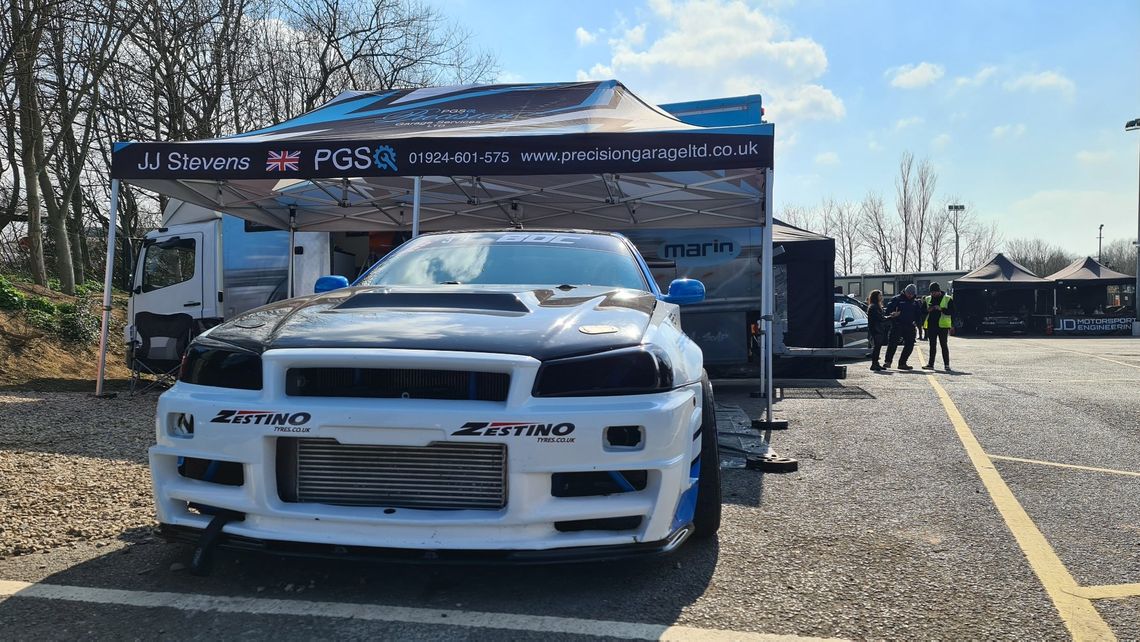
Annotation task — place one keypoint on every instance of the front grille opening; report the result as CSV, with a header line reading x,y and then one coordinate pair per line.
x,y
594,483
439,476
396,383
227,473
608,524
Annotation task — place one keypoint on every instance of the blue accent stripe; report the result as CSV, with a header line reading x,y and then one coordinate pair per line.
x,y
621,481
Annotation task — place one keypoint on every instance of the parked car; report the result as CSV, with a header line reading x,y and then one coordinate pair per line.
x,y
1008,323
514,396
850,326
851,299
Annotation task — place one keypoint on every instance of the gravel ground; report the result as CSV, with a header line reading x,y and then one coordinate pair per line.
x,y
885,533
72,469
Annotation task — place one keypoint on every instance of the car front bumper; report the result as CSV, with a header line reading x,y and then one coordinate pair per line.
x,y
529,520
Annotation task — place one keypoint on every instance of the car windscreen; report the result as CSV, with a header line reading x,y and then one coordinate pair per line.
x,y
511,259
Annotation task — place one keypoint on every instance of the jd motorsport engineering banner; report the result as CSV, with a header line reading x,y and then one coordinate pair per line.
x,y
439,156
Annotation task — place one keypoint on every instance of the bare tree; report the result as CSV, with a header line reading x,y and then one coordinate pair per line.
x,y
922,217
846,228
1038,256
982,240
937,235
1120,255
77,75
798,216
904,208
877,231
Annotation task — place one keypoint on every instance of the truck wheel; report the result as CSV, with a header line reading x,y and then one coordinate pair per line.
x,y
706,518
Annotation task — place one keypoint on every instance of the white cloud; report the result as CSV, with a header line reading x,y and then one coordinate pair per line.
x,y
1088,157
915,76
509,77
584,37
910,121
805,102
694,49
977,80
635,36
1044,81
1008,131
940,141
827,158
597,72
874,145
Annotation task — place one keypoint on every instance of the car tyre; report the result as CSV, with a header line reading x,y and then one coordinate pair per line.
x,y
706,517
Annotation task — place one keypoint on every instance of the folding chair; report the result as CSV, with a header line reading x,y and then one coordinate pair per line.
x,y
160,341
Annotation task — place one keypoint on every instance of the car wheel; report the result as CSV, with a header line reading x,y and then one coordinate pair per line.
x,y
706,518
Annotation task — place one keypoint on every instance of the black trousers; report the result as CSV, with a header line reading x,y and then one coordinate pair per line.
x,y
907,333
936,336
876,347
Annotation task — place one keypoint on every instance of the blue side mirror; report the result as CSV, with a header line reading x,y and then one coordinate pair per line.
x,y
685,292
330,283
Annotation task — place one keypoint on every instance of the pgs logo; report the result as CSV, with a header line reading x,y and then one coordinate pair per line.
x,y
359,158
543,433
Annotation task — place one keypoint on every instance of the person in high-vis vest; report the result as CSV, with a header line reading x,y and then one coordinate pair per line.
x,y
938,321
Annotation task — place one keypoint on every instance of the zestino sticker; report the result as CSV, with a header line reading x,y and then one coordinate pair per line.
x,y
293,420
553,433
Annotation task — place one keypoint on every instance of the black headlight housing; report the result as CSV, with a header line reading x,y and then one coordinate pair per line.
x,y
629,371
206,365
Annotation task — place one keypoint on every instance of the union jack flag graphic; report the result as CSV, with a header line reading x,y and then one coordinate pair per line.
x,y
281,161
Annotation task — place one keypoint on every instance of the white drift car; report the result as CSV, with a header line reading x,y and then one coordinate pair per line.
x,y
513,396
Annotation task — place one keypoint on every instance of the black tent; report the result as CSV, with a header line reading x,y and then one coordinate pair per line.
x,y
1089,272
1001,295
810,261
1088,288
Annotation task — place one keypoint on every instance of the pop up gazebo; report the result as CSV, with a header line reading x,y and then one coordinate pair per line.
x,y
1082,301
1001,288
562,155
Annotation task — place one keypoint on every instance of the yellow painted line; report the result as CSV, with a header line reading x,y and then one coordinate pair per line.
x,y
1078,613
1108,592
1095,356
1074,466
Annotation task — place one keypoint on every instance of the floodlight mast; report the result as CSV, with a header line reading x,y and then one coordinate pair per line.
x,y
957,255
1129,126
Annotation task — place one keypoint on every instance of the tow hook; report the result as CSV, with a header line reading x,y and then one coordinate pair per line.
x,y
203,558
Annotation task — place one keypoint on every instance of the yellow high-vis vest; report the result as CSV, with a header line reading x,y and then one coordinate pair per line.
x,y
944,321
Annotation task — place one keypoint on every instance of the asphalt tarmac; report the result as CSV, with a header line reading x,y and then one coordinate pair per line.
x,y
891,529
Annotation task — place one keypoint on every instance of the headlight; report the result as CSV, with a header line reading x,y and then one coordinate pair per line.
x,y
631,371
224,368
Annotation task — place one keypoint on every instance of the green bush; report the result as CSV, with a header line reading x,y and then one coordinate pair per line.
x,y
10,297
42,320
39,304
77,324
88,288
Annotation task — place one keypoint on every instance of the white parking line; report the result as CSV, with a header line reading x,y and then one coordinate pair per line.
x,y
378,613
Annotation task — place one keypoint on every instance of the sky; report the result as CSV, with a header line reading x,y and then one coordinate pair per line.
x,y
1020,105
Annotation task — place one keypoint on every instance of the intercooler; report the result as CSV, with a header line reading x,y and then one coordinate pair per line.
x,y
439,476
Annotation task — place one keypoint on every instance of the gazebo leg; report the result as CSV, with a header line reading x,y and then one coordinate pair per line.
x,y
108,275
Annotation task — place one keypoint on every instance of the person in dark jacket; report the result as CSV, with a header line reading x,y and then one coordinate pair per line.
x,y
904,312
938,319
877,327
